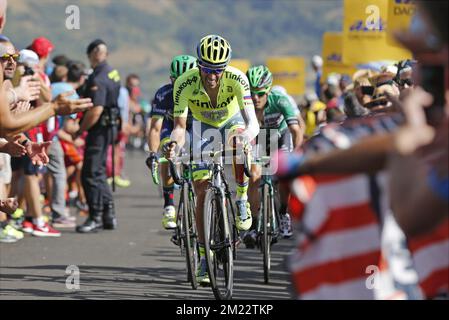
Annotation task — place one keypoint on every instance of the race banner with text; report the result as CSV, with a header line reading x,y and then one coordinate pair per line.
x,y
365,33
332,55
400,14
288,72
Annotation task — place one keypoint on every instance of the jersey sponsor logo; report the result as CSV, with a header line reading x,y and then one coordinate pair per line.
x,y
284,103
182,86
159,111
215,115
208,104
237,78
273,120
229,89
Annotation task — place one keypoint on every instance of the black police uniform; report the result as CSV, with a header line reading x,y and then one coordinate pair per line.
x,y
103,87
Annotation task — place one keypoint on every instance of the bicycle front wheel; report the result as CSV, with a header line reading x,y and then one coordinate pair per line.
x,y
190,237
218,244
267,213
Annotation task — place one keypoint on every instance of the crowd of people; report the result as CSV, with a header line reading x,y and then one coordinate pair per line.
x,y
41,148
370,185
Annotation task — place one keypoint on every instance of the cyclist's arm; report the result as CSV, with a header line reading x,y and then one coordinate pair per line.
x,y
154,133
178,133
252,125
297,135
248,111
157,114
180,112
289,109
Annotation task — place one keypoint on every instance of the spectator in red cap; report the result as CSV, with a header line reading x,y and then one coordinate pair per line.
x,y
42,46
3,7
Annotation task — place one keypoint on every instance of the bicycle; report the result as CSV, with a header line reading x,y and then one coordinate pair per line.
x,y
267,227
186,234
220,233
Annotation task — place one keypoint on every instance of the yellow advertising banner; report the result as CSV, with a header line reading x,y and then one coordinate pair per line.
x,y
400,14
241,64
332,56
365,33
289,72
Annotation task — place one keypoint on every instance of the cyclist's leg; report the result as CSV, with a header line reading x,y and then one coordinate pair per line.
x,y
169,212
253,189
200,175
286,145
244,218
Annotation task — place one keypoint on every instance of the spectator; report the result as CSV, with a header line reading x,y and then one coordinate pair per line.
x,y
24,165
56,166
317,64
3,7
404,77
101,124
136,118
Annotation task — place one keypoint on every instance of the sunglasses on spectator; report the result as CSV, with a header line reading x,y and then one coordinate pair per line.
x,y
367,90
211,70
7,56
404,82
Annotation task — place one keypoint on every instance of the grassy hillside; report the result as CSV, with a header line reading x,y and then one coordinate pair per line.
x,y
144,35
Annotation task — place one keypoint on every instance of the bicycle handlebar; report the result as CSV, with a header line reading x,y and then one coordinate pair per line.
x,y
174,173
186,158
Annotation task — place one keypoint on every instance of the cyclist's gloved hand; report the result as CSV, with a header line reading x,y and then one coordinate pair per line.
x,y
237,138
287,165
169,150
152,164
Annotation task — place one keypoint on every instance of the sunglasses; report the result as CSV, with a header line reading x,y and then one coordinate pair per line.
x,y
404,82
211,70
14,56
258,93
367,90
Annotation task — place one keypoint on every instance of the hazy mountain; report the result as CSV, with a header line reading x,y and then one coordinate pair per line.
x,y
144,35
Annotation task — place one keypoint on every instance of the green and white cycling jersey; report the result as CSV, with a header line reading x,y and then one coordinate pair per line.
x,y
279,112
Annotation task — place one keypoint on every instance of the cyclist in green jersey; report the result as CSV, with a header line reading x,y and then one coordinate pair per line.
x,y
278,113
219,98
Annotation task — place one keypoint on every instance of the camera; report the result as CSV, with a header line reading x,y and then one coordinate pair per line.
x,y
432,79
28,71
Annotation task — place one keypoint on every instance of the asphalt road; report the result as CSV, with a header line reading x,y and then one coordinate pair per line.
x,y
136,261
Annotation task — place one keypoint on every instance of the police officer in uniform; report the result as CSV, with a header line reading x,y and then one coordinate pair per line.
x,y
103,87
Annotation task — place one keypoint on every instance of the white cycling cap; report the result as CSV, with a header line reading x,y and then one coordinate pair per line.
x,y
317,61
28,58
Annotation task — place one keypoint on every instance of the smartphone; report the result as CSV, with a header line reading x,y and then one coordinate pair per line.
x,y
28,71
432,80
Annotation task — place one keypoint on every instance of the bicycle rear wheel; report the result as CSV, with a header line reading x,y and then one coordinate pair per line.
x,y
218,245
